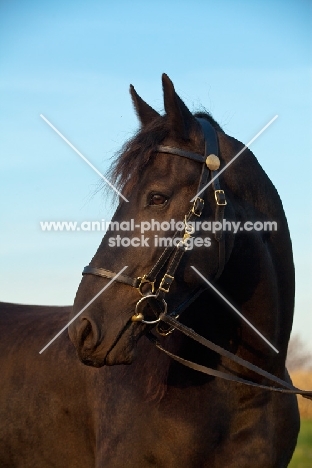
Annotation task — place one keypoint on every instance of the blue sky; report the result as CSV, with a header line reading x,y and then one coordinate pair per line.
x,y
73,62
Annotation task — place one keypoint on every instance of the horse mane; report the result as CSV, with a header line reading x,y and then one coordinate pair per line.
x,y
139,152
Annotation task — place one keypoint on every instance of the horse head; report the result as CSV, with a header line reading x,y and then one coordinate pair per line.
x,y
159,187
171,195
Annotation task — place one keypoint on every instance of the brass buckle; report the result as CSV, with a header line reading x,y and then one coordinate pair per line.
x,y
144,280
197,212
189,229
221,192
165,277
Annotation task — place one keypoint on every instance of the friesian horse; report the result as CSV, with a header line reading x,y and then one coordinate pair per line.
x,y
133,405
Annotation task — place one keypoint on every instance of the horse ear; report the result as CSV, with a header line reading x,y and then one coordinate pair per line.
x,y
145,113
181,119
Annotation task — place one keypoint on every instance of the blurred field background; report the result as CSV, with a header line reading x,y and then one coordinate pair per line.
x,y
299,364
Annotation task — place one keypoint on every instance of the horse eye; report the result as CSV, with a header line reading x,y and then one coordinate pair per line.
x,y
158,199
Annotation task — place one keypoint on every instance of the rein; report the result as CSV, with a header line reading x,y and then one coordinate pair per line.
x,y
284,387
172,256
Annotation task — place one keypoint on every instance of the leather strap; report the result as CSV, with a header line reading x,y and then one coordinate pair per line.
x,y
233,378
89,270
185,154
286,387
169,275
161,262
219,216
211,139
212,147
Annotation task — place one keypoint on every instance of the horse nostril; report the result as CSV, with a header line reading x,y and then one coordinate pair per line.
x,y
88,337
86,330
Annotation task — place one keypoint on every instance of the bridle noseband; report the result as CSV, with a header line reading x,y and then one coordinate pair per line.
x,y
172,255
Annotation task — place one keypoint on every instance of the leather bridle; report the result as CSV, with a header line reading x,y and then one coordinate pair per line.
x,y
172,256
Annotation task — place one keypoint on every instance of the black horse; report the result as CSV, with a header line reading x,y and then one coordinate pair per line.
x,y
163,414
56,412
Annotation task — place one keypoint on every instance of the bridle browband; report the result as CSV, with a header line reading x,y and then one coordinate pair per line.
x,y
172,256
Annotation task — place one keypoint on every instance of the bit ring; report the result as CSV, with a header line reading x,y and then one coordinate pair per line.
x,y
139,317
